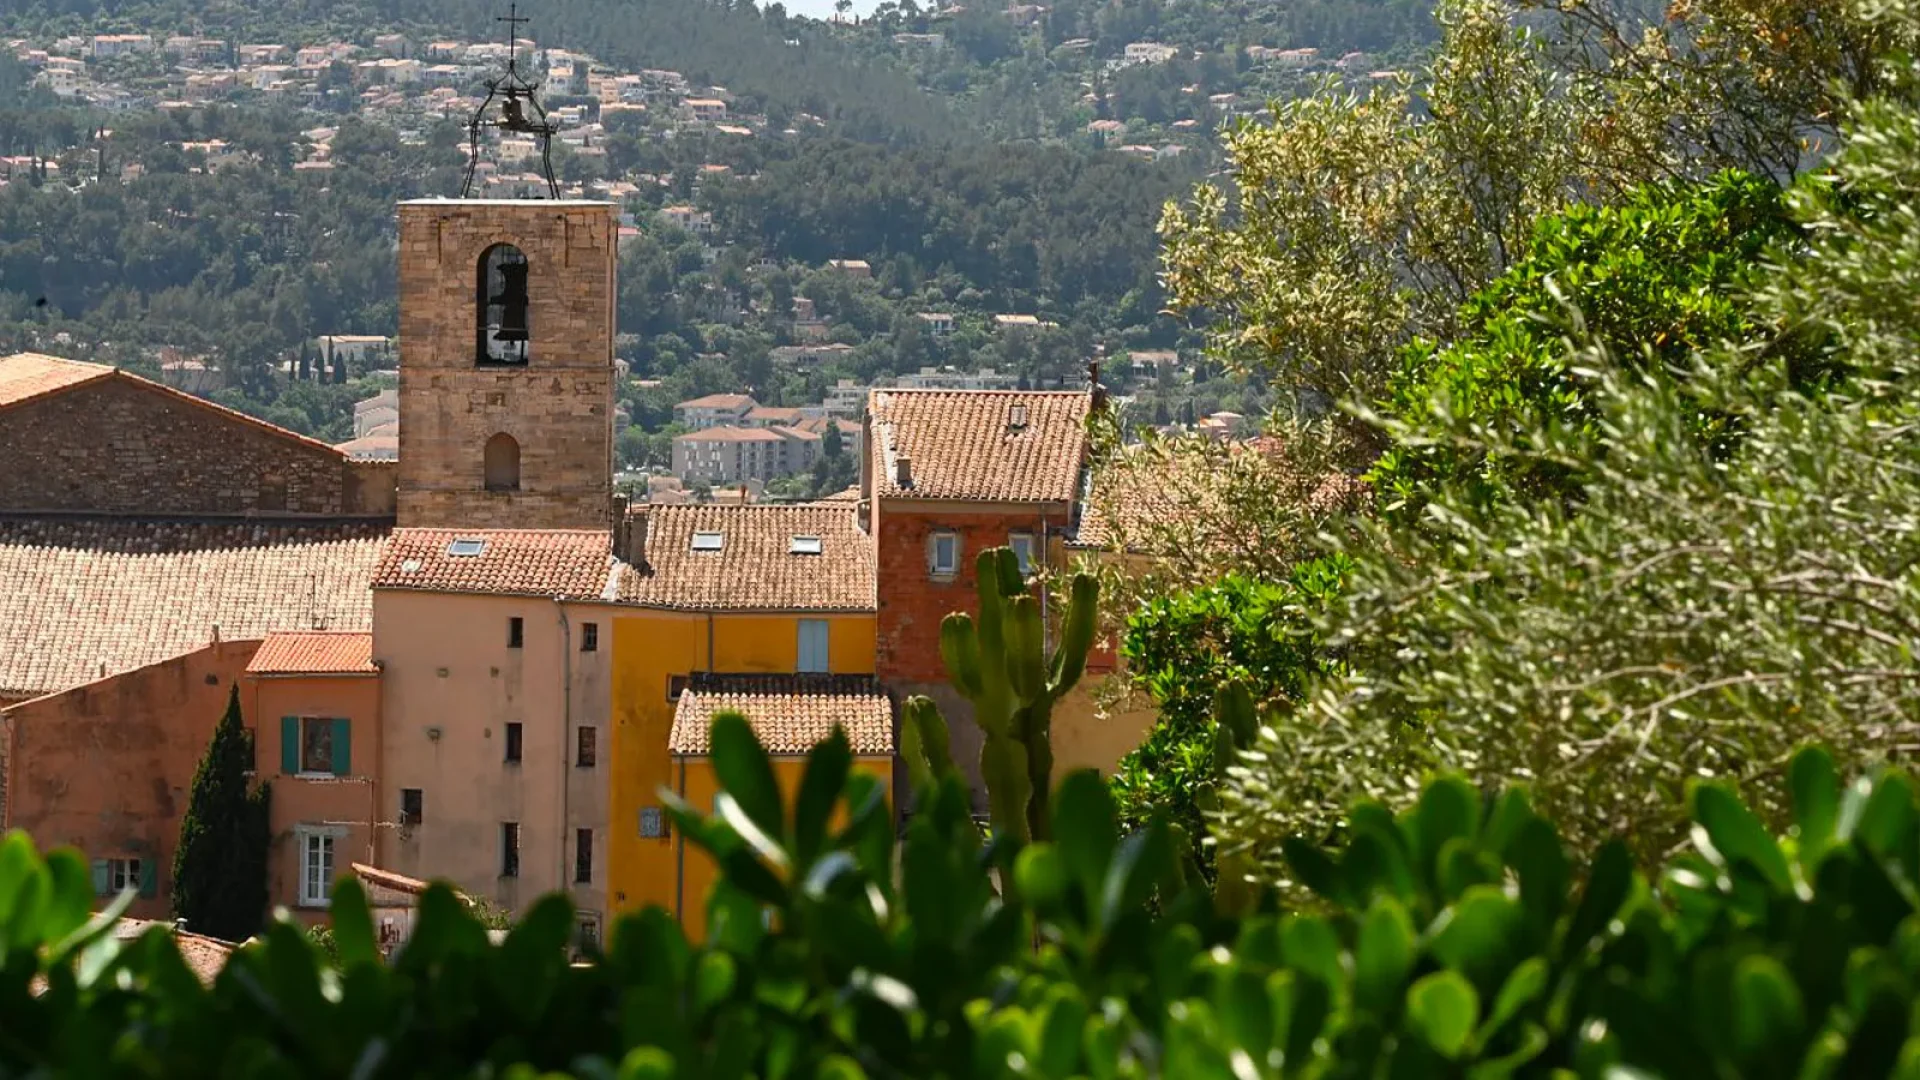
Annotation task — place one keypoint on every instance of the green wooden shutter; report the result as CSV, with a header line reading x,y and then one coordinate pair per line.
x,y
290,745
149,877
342,748
102,877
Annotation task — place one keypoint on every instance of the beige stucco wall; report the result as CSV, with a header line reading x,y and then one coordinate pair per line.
x,y
449,687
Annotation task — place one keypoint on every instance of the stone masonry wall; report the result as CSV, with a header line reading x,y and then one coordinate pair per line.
x,y
559,407
120,446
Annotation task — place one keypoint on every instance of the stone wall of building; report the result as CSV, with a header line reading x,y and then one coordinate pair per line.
x,y
558,408
107,767
122,445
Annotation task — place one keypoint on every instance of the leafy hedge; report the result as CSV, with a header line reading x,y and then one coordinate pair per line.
x,y
1457,939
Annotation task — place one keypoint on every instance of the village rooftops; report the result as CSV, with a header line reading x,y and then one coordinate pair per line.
x,y
791,714
718,401
978,445
568,564
735,557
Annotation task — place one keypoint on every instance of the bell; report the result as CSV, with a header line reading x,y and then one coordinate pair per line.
x,y
512,302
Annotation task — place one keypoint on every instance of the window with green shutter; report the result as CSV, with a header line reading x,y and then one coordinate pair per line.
x,y
102,877
290,745
149,877
342,748
316,745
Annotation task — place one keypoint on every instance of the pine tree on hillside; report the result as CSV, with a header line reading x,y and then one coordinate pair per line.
x,y
220,867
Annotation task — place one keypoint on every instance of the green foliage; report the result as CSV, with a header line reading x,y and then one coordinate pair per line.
x,y
1001,664
220,865
1703,607
1453,939
1651,279
1179,648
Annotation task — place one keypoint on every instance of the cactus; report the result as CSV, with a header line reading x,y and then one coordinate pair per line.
x,y
1000,664
1234,726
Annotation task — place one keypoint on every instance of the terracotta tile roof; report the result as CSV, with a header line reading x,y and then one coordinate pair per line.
x,y
83,595
379,445
774,414
755,568
850,495
972,445
718,401
571,563
28,375
790,713
387,879
322,653
205,956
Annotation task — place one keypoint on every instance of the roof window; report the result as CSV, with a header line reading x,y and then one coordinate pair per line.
x,y
466,548
804,545
708,541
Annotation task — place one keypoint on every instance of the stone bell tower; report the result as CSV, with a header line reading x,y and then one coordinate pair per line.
x,y
506,363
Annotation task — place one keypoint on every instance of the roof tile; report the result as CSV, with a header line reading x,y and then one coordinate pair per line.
x,y
28,375
975,445
319,653
755,568
570,563
83,596
791,714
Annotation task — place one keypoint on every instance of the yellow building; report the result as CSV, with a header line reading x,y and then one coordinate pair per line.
x,y
723,593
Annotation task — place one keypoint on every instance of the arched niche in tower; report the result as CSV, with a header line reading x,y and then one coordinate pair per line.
x,y
502,328
502,463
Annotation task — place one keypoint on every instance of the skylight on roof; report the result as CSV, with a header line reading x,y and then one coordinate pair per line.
x,y
804,545
466,548
708,541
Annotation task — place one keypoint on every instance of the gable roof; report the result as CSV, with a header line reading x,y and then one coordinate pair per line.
x,y
29,375
755,568
572,564
82,596
965,445
317,653
791,714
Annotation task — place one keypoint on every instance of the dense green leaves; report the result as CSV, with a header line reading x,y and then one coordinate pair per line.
x,y
935,956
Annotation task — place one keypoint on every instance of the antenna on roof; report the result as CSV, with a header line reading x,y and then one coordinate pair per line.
x,y
515,93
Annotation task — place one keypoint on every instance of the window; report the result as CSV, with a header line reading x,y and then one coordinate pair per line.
x,y
590,637
587,936
316,868
411,807
586,751
113,876
502,464
315,746
513,742
708,541
813,645
943,554
516,632
509,849
676,684
804,545
503,328
582,856
1022,545
466,549
653,823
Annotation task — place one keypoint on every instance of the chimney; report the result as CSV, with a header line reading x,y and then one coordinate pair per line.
x,y
1097,392
630,535
903,471
1017,416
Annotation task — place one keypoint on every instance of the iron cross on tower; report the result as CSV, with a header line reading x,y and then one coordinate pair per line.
x,y
515,94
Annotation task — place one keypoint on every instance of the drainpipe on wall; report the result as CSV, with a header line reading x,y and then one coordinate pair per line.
x,y
680,856
566,735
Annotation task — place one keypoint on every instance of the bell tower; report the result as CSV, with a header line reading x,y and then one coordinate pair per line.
x,y
506,363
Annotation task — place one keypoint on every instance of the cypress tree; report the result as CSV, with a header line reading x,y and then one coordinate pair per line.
x,y
220,866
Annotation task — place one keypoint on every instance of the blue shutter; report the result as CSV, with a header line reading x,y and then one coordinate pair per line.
x,y
149,877
342,748
290,745
102,877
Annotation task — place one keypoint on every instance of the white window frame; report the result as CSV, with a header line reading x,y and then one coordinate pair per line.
x,y
934,569
123,874
1023,549
324,842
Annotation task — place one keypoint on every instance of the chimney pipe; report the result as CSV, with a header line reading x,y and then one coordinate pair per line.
x,y
903,471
